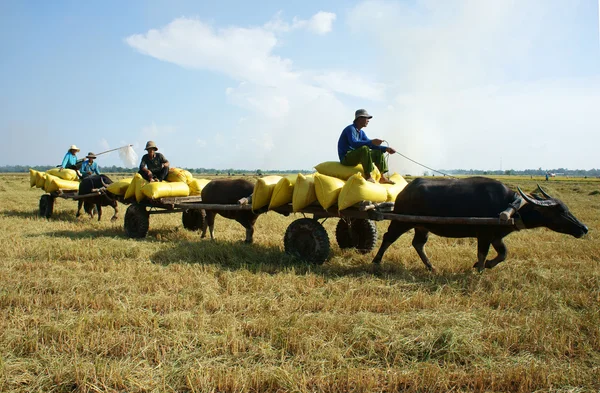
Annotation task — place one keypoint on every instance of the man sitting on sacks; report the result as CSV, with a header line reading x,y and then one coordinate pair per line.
x,y
70,160
89,167
355,148
154,166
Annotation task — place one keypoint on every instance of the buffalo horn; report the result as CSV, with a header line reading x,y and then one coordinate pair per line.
x,y
544,192
534,201
106,185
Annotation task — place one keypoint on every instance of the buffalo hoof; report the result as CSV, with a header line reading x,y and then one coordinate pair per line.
x,y
114,218
490,264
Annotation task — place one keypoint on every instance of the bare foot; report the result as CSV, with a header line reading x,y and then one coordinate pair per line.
x,y
370,180
385,180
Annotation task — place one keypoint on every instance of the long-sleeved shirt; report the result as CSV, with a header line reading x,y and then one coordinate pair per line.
x,y
89,167
352,139
70,159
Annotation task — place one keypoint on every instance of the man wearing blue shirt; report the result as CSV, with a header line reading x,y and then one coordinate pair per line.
x,y
70,160
354,147
89,167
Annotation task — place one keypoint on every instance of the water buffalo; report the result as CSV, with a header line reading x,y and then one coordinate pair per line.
x,y
474,197
228,192
92,184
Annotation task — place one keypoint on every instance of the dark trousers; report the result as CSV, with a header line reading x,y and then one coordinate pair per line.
x,y
367,157
160,174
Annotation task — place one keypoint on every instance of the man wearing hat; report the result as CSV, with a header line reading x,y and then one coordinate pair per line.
x,y
354,147
89,167
70,160
154,166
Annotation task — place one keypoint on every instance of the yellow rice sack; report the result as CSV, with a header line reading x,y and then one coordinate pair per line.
x,y
357,189
327,189
336,169
120,187
394,189
32,177
263,190
304,192
48,187
155,190
196,186
40,179
139,195
66,174
179,175
62,184
130,193
54,183
283,191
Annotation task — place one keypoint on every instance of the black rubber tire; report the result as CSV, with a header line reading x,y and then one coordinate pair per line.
x,y
192,219
356,233
46,206
137,221
306,239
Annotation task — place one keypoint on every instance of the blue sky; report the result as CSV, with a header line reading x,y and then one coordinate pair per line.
x,y
270,85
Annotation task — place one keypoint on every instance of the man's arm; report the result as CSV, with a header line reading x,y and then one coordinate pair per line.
x,y
354,138
143,163
165,162
65,161
96,169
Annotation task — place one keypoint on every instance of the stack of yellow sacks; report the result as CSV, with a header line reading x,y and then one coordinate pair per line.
x,y
333,184
54,179
179,183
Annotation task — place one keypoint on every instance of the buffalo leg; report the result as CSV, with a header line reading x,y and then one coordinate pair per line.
x,y
99,209
247,219
79,206
395,230
210,223
115,206
500,248
483,247
421,236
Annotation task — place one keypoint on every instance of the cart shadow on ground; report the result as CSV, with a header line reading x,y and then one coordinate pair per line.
x,y
256,258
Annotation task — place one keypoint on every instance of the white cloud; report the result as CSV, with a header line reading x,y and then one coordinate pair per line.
x,y
152,131
320,23
201,142
457,86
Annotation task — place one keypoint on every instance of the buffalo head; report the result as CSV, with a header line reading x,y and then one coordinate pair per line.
x,y
551,213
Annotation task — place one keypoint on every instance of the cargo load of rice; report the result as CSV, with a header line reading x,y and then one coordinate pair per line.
x,y
179,175
130,193
263,190
394,189
54,184
40,179
357,189
327,189
304,192
283,191
32,177
336,169
155,190
65,174
119,187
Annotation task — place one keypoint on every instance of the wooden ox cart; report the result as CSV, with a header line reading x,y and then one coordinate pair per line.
x,y
305,238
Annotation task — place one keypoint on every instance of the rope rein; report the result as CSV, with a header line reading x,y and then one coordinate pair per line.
x,y
410,159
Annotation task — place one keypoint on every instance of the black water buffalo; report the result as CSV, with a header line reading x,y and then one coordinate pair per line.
x,y
228,192
474,197
92,184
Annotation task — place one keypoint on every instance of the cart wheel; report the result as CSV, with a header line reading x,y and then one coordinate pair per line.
x,y
136,221
46,206
306,239
356,233
192,219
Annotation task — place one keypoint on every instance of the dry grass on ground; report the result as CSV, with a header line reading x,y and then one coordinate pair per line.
x,y
82,308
